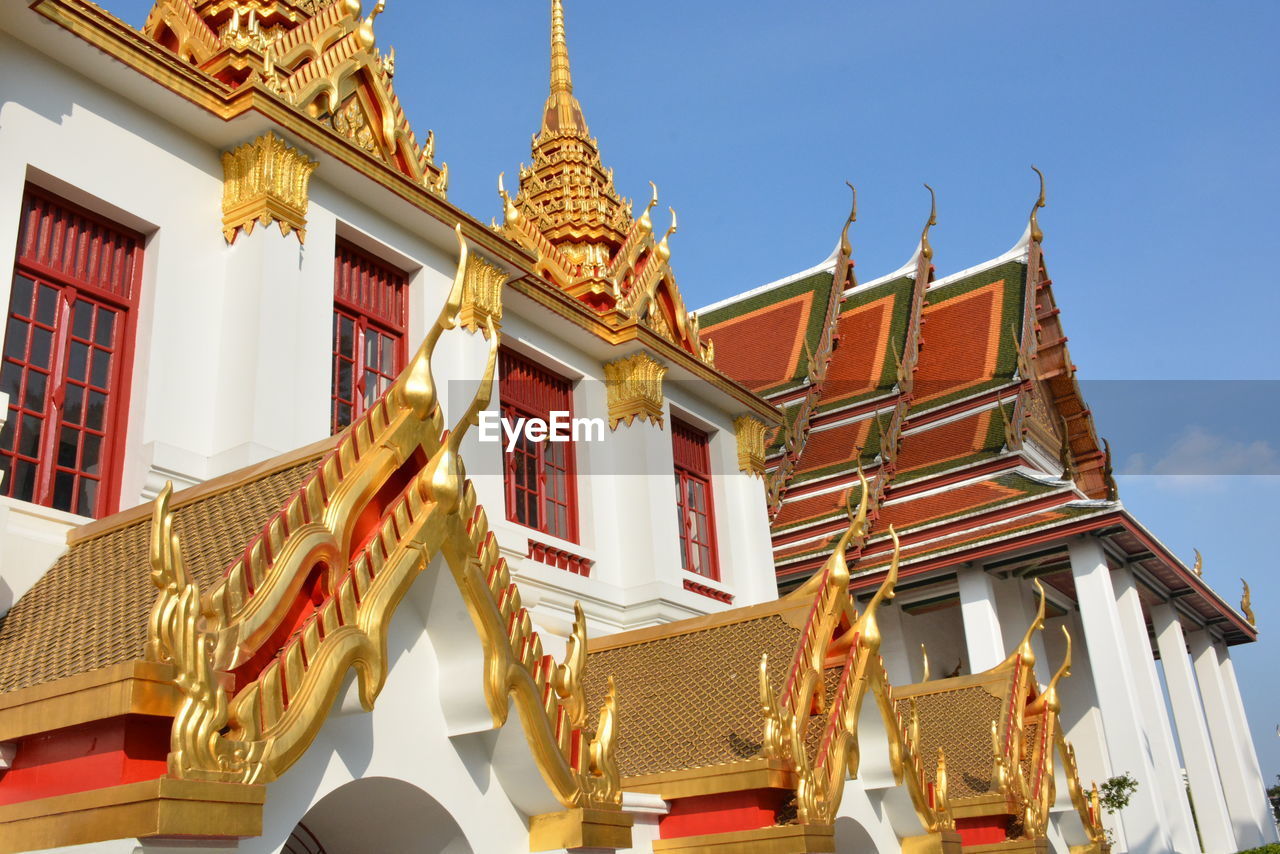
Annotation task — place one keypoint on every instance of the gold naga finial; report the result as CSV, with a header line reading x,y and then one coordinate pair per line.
x,y
567,678
1246,604
1025,650
925,249
1049,698
645,223
419,388
365,32
868,628
1036,234
924,661
1198,568
510,213
664,247
846,249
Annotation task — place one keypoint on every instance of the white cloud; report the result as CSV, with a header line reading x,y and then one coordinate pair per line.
x,y
1199,452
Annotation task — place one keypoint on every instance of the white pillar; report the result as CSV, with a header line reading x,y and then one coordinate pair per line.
x,y
981,622
1237,782
1155,722
898,660
1144,824
1193,735
1249,755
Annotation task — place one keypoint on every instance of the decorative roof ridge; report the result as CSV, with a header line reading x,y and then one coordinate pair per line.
x,y
694,625
827,265
200,491
1018,252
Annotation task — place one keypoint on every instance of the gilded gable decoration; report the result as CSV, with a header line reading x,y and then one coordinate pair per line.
x,y
252,698
482,295
265,181
320,57
751,454
634,387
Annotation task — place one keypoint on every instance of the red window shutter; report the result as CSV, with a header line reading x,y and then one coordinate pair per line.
x,y
539,476
695,512
68,354
370,319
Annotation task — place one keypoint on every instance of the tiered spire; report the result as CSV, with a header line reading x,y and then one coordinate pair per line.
x,y
564,113
588,242
566,193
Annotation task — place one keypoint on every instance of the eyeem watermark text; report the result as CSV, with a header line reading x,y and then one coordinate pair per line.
x,y
559,428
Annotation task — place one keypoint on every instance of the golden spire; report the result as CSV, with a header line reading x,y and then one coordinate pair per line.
x,y
563,113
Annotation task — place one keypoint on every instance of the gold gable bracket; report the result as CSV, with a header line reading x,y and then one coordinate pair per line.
x,y
634,387
265,181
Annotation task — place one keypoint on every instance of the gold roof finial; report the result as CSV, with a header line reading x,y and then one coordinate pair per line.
x,y
845,248
1025,650
1036,234
924,661
925,249
1198,569
563,113
1246,604
1049,698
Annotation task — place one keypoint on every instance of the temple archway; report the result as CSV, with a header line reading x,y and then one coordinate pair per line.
x,y
377,814
853,838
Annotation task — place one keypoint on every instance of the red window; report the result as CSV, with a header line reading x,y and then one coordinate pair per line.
x,y
370,316
68,349
694,514
539,476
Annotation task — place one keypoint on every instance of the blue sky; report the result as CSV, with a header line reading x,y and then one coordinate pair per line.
x,y
1154,122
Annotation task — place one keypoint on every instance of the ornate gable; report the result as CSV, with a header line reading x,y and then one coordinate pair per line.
x,y
588,242
318,55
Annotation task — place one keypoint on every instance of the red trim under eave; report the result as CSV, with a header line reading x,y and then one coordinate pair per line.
x,y
96,755
943,528
721,813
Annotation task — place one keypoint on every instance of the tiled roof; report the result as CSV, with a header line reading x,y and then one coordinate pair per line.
x,y
691,699
958,720
90,610
760,341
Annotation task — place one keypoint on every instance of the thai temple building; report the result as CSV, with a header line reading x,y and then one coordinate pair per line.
x,y
334,520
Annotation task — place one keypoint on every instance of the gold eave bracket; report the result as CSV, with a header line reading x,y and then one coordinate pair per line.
x,y
162,807
580,828
779,839
128,688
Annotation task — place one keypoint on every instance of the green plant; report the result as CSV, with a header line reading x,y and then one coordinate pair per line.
x,y
1266,849
1116,791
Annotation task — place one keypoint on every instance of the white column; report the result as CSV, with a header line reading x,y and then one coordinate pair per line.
x,y
1249,755
1237,784
898,660
1155,721
1193,735
1144,823
981,622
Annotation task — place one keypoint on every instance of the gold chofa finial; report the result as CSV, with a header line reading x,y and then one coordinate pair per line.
x,y
845,248
1036,234
925,249
1198,569
1246,604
